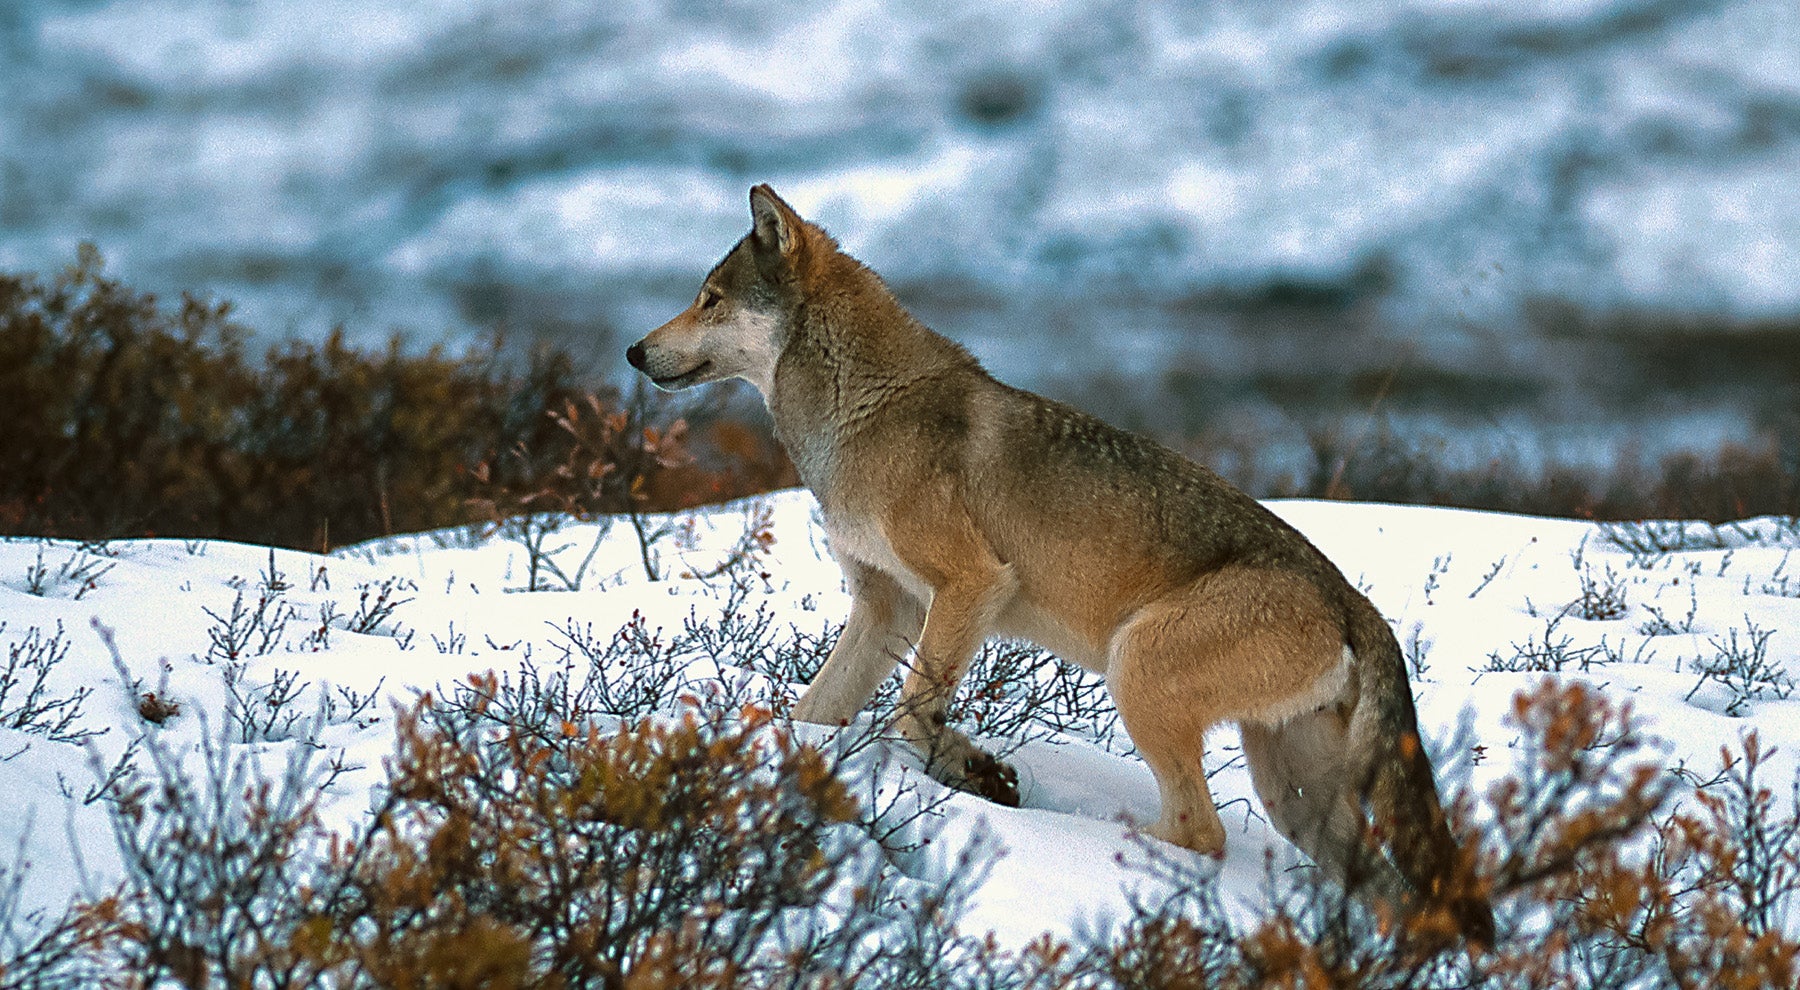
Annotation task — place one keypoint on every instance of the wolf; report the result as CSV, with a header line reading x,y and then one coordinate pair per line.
x,y
962,508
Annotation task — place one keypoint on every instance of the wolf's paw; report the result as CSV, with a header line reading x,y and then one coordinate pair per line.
x,y
1202,834
955,761
985,776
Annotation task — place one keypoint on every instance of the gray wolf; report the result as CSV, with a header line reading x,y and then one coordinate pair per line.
x,y
962,508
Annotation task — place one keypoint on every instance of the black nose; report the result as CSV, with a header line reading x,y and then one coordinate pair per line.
x,y
635,355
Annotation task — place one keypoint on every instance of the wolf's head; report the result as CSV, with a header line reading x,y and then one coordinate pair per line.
x,y
737,325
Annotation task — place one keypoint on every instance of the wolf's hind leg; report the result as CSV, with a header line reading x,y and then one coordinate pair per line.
x,y
1189,818
883,624
1171,738
1307,775
1239,642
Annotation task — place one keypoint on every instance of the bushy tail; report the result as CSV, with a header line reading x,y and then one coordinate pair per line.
x,y
1399,790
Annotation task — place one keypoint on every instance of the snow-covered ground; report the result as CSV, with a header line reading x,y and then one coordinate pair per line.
x,y
1477,599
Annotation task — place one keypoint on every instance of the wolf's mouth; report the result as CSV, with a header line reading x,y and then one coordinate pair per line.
x,y
685,378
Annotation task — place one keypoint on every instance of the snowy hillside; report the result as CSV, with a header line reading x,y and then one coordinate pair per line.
x,y
1698,628
391,164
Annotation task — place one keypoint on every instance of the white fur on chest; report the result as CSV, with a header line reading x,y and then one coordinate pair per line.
x,y
860,540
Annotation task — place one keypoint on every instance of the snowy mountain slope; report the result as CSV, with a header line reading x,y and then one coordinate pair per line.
x,y
1615,154
1484,604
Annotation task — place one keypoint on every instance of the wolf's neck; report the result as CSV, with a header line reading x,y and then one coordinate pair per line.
x,y
863,363
847,361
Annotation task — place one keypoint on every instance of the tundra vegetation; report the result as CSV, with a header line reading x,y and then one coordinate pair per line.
x,y
126,416
604,822
609,818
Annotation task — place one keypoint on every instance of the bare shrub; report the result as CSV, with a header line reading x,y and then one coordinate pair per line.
x,y
1660,624
248,630
1743,669
1549,652
1021,693
268,712
1602,596
1654,537
223,867
80,569
27,702
634,672
376,602
1746,849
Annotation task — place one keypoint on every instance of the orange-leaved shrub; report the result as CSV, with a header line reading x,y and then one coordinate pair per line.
x,y
660,854
1594,884
518,842
509,846
125,418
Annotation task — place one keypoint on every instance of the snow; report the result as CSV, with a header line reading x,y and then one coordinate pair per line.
x,y
1459,586
1019,147
1652,224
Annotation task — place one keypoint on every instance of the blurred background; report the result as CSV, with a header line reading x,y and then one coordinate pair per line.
x,y
1555,231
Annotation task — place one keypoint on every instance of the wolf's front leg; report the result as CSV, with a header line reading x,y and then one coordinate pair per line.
x,y
883,625
961,613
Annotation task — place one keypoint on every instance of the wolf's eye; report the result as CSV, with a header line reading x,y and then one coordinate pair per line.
x,y
709,299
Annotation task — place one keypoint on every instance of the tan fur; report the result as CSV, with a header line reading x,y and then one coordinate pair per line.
x,y
962,508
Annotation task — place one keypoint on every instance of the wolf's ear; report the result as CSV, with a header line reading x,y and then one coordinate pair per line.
x,y
776,225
